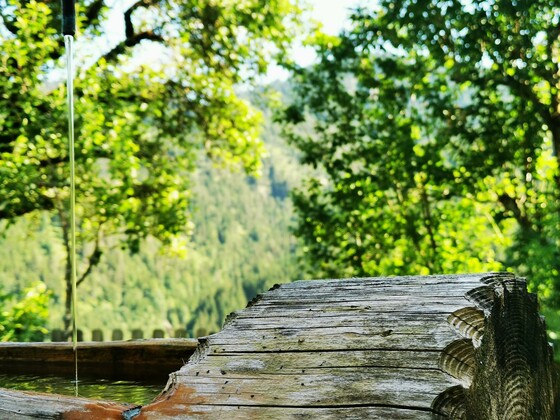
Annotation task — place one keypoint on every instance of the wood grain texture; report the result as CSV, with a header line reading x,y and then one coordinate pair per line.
x,y
505,360
377,348
514,361
355,348
16,405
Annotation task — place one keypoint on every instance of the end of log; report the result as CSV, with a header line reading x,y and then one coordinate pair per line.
x,y
513,376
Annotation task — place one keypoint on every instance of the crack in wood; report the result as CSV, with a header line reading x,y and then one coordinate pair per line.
x,y
312,406
331,350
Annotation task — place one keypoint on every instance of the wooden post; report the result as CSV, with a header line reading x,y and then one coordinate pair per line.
x,y
180,333
97,335
57,335
38,336
137,334
117,335
158,333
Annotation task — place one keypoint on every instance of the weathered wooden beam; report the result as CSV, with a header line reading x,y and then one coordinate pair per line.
x,y
369,348
16,405
133,359
437,347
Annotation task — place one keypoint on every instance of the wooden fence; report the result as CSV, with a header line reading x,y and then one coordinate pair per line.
x,y
57,335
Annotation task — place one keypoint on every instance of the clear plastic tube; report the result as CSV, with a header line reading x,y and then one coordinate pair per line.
x,y
68,42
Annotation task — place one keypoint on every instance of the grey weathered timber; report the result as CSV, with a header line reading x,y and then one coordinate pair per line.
x,y
381,348
21,405
435,347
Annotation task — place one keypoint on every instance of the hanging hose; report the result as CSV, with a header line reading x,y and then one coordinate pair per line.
x,y
68,30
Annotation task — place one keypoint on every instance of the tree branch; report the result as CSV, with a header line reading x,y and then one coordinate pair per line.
x,y
93,12
9,24
131,37
130,42
527,92
93,259
511,205
11,212
428,224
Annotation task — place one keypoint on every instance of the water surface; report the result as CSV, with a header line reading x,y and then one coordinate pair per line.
x,y
100,389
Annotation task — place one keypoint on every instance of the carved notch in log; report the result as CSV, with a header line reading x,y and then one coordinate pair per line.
x,y
507,367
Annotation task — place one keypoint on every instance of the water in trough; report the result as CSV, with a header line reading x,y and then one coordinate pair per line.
x,y
127,391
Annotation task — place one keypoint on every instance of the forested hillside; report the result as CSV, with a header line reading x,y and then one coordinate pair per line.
x,y
240,246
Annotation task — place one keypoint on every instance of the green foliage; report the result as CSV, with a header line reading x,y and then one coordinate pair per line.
x,y
24,316
494,67
552,317
240,246
436,137
140,122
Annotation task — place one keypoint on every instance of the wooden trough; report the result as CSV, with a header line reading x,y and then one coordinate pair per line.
x,y
436,347
132,360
